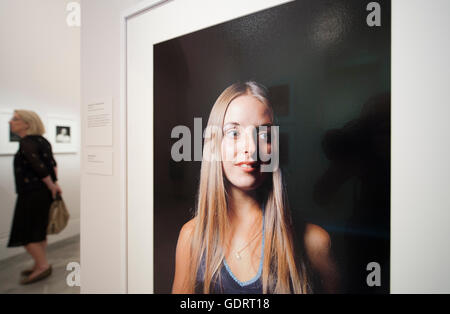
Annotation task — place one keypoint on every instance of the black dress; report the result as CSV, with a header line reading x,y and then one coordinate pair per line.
x,y
32,162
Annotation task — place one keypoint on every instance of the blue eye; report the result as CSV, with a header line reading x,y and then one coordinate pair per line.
x,y
232,133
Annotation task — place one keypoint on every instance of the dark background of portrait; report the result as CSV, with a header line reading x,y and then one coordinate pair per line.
x,y
329,75
59,128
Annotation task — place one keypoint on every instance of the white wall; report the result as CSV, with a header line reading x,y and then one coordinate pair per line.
x,y
420,181
40,71
103,224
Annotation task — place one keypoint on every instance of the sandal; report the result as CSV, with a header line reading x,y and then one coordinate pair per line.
x,y
27,272
43,275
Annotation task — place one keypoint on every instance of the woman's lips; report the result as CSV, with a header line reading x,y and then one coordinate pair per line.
x,y
248,166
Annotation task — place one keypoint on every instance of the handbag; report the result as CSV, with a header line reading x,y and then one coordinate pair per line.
x,y
58,216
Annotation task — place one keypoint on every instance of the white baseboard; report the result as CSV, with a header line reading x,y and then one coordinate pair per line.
x,y
72,229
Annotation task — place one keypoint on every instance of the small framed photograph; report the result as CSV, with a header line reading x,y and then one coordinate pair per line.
x,y
62,134
9,142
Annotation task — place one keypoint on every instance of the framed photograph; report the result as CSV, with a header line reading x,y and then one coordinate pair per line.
x,y
9,142
326,67
62,133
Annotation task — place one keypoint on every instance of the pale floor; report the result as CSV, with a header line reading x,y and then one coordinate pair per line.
x,y
59,255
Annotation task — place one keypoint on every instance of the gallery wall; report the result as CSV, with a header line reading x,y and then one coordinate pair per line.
x,y
420,135
40,71
103,225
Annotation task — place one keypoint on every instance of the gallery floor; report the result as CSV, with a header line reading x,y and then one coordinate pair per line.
x,y
59,255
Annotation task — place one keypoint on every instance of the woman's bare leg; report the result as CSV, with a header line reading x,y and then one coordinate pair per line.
x,y
44,244
44,247
37,251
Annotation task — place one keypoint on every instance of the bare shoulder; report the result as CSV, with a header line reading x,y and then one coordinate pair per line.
x,y
183,255
317,240
184,239
318,249
187,231
189,226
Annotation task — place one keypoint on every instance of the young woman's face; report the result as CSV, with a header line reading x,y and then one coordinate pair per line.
x,y
244,140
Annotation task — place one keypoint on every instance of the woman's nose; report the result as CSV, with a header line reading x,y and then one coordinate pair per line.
x,y
250,143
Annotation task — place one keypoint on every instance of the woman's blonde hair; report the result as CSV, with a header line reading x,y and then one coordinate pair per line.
x,y
281,273
35,125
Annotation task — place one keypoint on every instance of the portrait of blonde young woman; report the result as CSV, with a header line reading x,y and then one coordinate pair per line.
x,y
241,239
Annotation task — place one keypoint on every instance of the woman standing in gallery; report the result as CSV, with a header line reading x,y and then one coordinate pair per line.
x,y
241,239
35,176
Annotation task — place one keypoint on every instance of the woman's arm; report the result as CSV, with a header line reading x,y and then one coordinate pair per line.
x,y
52,186
318,249
182,259
30,151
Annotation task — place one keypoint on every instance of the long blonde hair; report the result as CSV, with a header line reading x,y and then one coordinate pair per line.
x,y
280,274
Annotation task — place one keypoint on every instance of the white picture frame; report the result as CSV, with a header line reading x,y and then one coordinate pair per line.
x,y
62,133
